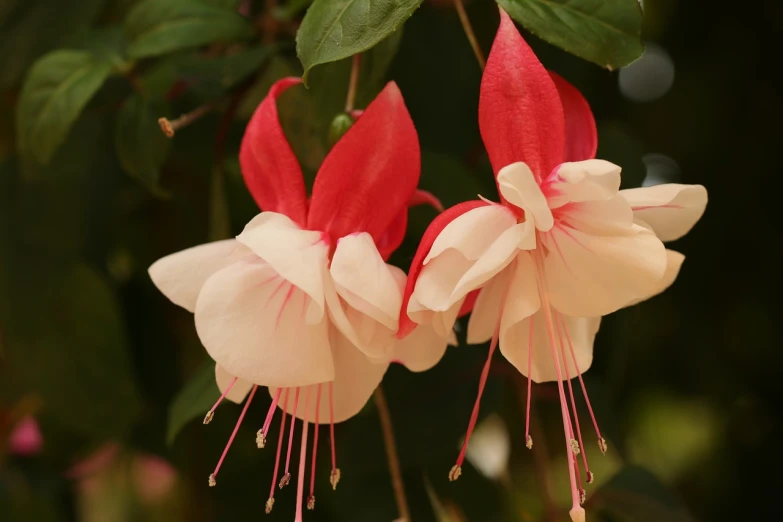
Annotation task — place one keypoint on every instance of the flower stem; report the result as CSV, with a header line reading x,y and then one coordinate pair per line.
x,y
391,455
352,83
463,18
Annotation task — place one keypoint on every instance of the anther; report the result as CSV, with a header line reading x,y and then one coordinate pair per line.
x,y
455,472
602,445
285,480
529,442
334,478
311,502
260,439
582,497
212,481
209,416
270,503
590,477
575,447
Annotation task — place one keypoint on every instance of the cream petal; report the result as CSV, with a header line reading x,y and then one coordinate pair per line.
x,y
441,322
674,262
670,209
589,275
420,350
297,255
589,180
523,293
515,343
485,317
355,379
238,391
180,276
471,233
252,322
364,280
518,185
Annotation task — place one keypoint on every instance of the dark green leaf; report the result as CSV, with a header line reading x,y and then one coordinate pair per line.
x,y
636,494
141,146
156,27
193,400
67,341
210,77
107,44
57,88
606,32
336,29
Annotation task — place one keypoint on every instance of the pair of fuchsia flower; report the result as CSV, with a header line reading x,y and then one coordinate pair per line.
x,y
304,303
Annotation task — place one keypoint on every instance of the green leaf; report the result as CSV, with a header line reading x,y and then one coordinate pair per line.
x,y
193,400
55,92
605,32
636,494
211,77
336,29
141,146
66,340
156,27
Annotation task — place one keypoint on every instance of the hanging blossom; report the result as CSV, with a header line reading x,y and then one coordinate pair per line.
x,y
302,301
563,247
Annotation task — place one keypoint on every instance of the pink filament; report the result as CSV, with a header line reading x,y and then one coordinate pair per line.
x,y
291,433
331,425
279,445
302,459
228,389
482,382
271,413
582,383
561,328
529,380
315,440
234,433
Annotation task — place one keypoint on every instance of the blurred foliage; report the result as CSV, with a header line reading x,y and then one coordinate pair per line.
x,y
91,193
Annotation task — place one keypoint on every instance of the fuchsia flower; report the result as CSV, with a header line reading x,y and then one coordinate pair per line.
x,y
564,246
302,301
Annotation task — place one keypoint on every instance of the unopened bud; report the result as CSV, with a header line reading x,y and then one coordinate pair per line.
x,y
340,125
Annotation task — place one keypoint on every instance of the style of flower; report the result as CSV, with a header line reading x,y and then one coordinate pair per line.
x,y
302,301
563,247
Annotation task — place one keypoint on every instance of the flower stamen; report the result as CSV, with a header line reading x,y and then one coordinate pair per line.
x,y
262,433
213,476
456,471
211,413
302,458
334,476
287,476
271,501
528,438
311,498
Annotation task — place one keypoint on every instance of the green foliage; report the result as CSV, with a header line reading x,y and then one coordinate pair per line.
x,y
194,400
57,89
336,29
156,27
606,32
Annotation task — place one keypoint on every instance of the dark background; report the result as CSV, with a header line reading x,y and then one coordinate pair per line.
x,y
685,386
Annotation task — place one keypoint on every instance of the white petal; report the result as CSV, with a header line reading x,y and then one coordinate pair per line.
x,y
518,185
365,281
589,275
252,322
673,265
420,350
238,391
297,255
471,233
590,180
485,317
180,276
441,322
523,292
670,209
515,343
355,379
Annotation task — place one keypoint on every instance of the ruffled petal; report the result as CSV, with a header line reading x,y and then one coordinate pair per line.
x,y
299,256
238,391
581,134
180,276
515,343
421,350
593,275
485,318
590,180
670,209
520,114
355,379
674,262
270,168
252,321
369,175
520,188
